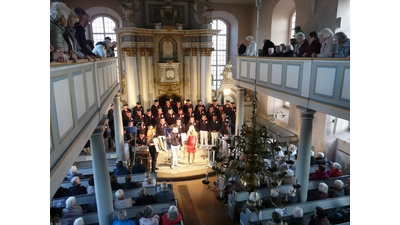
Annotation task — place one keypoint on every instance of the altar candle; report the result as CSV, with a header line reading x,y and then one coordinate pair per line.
x,y
206,177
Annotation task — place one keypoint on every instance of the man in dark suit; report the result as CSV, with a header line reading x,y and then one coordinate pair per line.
x,y
241,48
164,195
139,167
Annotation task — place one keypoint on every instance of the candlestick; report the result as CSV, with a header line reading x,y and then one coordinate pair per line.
x,y
206,177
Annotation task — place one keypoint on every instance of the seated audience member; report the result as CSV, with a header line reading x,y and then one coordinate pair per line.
x,y
328,44
319,217
271,51
114,183
121,201
346,187
71,208
320,173
73,171
251,204
303,44
129,184
342,49
79,221
274,200
289,177
148,217
59,14
282,165
123,219
336,190
90,187
320,158
173,216
149,182
241,48
315,45
139,167
298,218
164,195
267,44
336,170
278,51
76,188
320,194
120,169
276,219
289,51
338,216
61,192
291,195
144,198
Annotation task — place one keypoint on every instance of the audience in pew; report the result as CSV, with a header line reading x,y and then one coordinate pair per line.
x,y
79,221
149,182
303,44
289,52
276,219
298,218
320,173
73,172
120,169
121,201
148,217
90,187
339,216
139,167
61,192
320,158
336,190
336,170
129,184
76,188
320,194
346,187
342,49
291,195
315,45
71,208
252,203
164,195
173,216
144,198
289,177
319,217
328,44
114,183
123,219
274,200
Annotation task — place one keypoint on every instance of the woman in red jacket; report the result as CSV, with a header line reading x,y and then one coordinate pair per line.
x,y
173,216
336,170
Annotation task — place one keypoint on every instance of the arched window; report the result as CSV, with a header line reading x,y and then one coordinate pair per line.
x,y
103,27
292,24
218,57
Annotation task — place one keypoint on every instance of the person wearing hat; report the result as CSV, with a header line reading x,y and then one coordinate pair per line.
x,y
187,105
166,106
139,167
177,106
138,107
251,49
170,117
149,118
199,112
189,114
154,107
124,110
215,126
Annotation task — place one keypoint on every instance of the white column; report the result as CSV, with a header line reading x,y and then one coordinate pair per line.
x,y
187,76
239,109
208,84
104,198
195,79
150,80
118,127
131,75
203,75
143,89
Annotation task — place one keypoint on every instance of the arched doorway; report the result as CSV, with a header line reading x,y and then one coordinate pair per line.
x,y
170,96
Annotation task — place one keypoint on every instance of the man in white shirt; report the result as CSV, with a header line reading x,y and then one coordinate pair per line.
x,y
251,49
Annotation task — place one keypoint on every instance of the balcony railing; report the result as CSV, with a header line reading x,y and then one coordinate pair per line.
x,y
319,84
80,93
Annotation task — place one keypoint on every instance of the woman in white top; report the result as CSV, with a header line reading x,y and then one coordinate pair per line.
x,y
122,202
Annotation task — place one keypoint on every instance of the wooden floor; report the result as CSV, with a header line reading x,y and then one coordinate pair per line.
x,y
199,205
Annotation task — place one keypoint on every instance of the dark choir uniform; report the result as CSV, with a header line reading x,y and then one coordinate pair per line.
x,y
158,116
138,107
188,115
149,119
186,106
182,117
170,118
141,141
142,128
198,113
194,124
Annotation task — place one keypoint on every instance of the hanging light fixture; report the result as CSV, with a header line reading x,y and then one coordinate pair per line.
x,y
253,153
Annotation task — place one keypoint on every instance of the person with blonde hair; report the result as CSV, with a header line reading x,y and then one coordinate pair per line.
x,y
121,201
173,216
191,143
71,208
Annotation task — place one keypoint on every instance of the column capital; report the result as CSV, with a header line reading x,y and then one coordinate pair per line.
x,y
149,51
306,113
130,51
194,51
187,51
206,51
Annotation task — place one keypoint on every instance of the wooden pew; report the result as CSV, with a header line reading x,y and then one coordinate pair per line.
x,y
238,198
308,207
136,177
88,198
